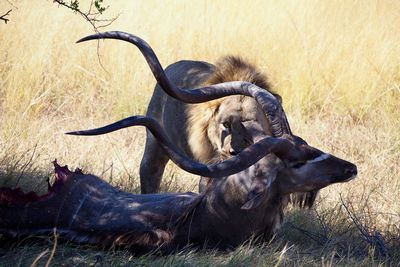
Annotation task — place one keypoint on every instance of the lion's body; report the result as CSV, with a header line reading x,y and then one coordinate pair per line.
x,y
195,128
174,114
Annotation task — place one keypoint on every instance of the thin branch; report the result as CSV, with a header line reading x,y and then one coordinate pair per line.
x,y
41,255
12,4
92,15
372,237
53,251
318,238
3,17
26,164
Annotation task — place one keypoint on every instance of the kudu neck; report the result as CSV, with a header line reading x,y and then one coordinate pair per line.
x,y
229,194
223,217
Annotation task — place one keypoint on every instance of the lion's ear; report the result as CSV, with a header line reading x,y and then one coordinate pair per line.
x,y
278,97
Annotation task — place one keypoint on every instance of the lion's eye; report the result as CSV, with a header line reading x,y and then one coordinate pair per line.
x,y
226,125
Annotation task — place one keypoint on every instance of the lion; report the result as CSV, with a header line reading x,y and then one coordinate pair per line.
x,y
207,132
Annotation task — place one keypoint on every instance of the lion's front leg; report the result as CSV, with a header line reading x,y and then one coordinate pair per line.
x,y
152,166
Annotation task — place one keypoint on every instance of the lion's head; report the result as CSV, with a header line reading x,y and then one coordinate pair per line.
x,y
224,127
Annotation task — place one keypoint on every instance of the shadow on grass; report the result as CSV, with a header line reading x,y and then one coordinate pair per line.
x,y
28,180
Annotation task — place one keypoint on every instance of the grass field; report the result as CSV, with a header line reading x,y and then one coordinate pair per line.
x,y
335,63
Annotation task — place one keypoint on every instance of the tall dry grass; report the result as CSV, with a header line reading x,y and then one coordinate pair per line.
x,y
335,63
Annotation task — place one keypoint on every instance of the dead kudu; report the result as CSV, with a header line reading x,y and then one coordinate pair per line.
x,y
85,209
246,196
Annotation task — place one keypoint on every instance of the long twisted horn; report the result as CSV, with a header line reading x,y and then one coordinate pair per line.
x,y
270,105
280,146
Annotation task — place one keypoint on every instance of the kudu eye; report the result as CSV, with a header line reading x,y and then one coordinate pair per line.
x,y
298,165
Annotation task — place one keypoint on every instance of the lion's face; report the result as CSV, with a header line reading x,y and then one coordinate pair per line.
x,y
226,127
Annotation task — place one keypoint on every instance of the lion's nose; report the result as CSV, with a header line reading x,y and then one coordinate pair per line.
x,y
232,152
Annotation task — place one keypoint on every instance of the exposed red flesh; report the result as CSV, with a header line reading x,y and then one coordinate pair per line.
x,y
62,175
16,196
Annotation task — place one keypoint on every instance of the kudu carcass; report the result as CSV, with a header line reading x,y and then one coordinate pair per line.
x,y
205,131
246,198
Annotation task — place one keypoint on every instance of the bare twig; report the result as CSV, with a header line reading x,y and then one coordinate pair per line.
x,y
372,236
318,238
322,223
26,164
92,15
3,17
11,4
53,251
41,255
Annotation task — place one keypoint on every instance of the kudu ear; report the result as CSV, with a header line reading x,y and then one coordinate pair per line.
x,y
255,198
258,191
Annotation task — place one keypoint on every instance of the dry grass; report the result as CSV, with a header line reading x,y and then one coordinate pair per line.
x,y
336,64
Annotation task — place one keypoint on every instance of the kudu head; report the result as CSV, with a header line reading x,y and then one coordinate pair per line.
x,y
294,167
